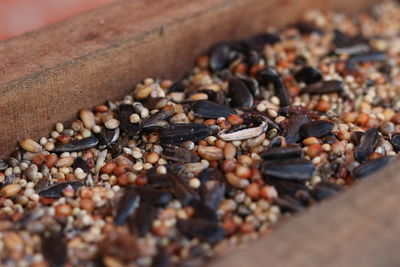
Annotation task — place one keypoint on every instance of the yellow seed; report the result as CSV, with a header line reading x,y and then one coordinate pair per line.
x,y
30,145
10,190
199,96
310,141
210,152
87,118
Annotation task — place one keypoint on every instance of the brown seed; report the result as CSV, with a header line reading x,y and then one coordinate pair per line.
x,y
152,157
87,204
268,192
38,159
229,165
235,181
247,227
243,172
65,162
51,160
63,210
314,150
396,118
338,147
229,151
253,191
220,144
375,155
14,244
210,152
87,118
210,122
10,190
349,117
153,137
323,106
245,160
344,136
362,119
101,108
30,145
235,119
224,124
310,141
121,169
229,227
123,179
64,139
108,168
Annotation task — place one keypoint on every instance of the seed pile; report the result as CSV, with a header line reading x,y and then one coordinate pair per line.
x,y
260,128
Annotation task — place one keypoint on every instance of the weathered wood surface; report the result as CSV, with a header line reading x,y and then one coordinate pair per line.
x,y
359,228
48,75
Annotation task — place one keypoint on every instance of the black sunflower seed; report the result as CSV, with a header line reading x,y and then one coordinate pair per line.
x,y
202,211
289,204
325,190
306,28
292,131
153,196
108,137
81,163
211,174
176,87
126,206
356,137
281,153
181,190
176,134
395,140
317,128
260,40
142,221
77,145
253,86
162,259
179,154
3,165
56,190
308,75
157,121
367,145
293,169
204,230
324,87
239,93
368,57
219,57
270,75
372,166
212,193
125,111
54,250
155,102
211,110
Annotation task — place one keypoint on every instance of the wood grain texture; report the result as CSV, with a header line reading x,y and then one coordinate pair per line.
x,y
359,228
48,75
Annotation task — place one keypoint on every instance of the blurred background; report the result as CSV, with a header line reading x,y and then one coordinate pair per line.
x,y
20,16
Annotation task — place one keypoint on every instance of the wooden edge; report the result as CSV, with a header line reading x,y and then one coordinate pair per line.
x,y
48,75
360,227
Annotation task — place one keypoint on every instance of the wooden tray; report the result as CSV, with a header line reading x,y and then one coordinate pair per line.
x,y
48,75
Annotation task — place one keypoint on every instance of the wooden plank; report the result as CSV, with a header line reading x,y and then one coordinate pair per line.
x,y
359,228
48,75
